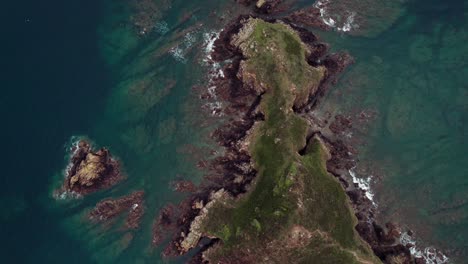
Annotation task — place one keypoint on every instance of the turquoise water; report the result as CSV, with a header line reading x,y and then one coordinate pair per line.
x,y
412,78
80,68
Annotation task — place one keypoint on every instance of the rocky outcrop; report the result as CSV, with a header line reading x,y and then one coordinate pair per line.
x,y
263,6
89,170
109,209
184,186
191,239
309,17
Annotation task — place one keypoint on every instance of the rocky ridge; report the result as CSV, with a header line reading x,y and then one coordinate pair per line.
x,y
236,166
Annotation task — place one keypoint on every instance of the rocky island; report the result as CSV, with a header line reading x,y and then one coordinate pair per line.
x,y
281,196
90,170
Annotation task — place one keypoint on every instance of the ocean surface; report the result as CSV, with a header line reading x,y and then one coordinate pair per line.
x,y
82,68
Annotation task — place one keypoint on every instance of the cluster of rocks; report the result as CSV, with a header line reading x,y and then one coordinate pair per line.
x,y
108,209
184,186
308,17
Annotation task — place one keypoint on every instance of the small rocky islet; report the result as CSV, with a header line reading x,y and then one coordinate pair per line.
x,y
90,171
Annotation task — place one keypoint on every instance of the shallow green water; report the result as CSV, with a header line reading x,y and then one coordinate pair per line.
x,y
151,120
68,76
413,76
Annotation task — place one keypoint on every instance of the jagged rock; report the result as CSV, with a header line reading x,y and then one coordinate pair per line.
x,y
111,208
190,240
89,170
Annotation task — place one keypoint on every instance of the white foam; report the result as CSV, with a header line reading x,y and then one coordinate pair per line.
x,y
329,22
348,24
178,54
74,144
134,206
215,71
363,184
209,40
72,148
327,19
189,40
321,5
429,254
67,195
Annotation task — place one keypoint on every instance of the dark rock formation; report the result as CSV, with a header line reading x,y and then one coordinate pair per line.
x,y
109,209
184,186
308,17
164,224
264,6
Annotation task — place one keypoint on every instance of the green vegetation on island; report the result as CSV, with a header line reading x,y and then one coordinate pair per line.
x,y
295,211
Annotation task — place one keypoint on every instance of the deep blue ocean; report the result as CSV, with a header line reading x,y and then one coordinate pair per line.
x,y
82,68
54,82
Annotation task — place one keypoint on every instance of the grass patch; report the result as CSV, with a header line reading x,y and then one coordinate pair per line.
x,y
275,61
326,205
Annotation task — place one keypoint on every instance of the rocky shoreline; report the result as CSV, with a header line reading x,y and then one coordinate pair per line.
x,y
233,173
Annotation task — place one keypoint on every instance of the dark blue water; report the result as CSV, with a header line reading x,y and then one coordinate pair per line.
x,y
53,84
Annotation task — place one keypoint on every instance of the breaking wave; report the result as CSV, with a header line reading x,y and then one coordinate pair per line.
x,y
327,18
363,184
179,52
215,71
429,254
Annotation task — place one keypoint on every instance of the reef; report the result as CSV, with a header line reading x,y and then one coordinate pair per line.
x,y
308,17
184,186
90,170
109,209
146,12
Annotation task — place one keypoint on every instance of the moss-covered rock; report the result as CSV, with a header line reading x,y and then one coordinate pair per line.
x,y
295,212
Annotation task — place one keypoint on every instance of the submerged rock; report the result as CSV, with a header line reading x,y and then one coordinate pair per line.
x,y
109,209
